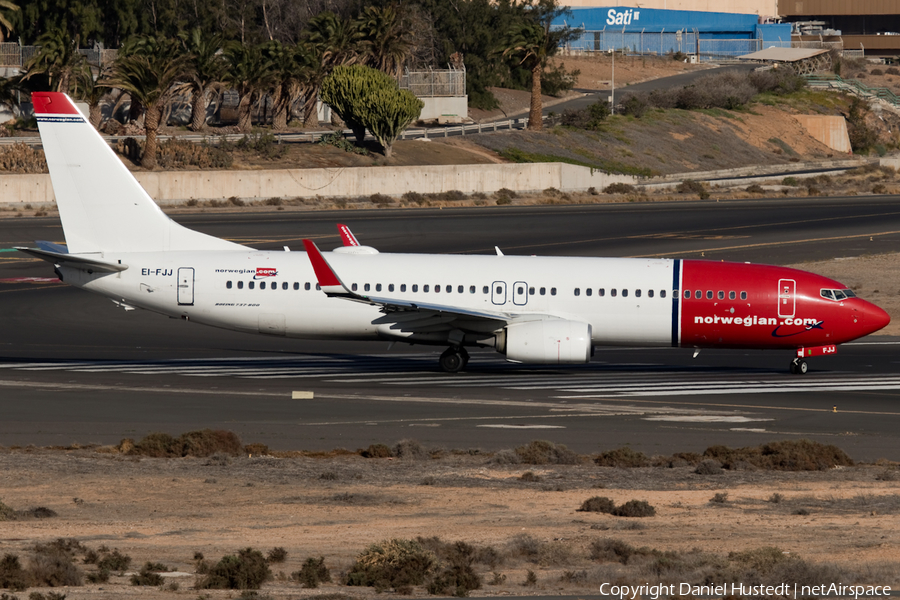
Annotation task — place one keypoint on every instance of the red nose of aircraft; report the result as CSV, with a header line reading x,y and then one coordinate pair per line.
x,y
873,317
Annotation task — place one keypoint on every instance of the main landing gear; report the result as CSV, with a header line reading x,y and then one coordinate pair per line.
x,y
454,359
799,367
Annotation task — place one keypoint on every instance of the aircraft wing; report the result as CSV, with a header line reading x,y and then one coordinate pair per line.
x,y
405,315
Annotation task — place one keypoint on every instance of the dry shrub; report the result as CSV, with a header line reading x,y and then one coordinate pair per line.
x,y
613,550
20,158
755,189
719,498
457,575
788,455
380,199
505,195
410,449
6,513
395,563
623,457
709,467
193,443
505,457
600,504
542,452
12,575
246,571
178,154
415,197
257,448
149,575
619,188
312,573
530,477
449,196
376,451
53,565
114,561
689,186
276,555
635,508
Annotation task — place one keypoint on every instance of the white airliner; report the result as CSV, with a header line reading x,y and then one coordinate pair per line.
x,y
545,310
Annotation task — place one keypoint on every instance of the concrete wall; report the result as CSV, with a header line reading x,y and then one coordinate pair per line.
x,y
169,187
437,106
830,130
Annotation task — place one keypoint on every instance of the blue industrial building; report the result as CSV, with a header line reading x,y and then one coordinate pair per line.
x,y
709,35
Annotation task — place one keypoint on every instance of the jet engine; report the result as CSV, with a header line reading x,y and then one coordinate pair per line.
x,y
547,342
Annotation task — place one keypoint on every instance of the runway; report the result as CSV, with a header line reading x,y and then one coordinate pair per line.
x,y
74,368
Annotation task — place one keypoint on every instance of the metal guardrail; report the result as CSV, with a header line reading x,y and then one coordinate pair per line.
x,y
309,137
853,86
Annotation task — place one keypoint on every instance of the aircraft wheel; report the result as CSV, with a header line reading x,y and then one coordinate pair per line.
x,y
452,360
799,367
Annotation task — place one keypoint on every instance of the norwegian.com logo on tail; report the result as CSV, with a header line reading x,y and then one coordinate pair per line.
x,y
263,272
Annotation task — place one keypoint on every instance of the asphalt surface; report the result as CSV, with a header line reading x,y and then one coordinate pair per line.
x,y
74,368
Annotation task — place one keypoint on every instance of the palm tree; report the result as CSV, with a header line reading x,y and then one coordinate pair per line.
x,y
249,72
58,59
6,24
149,78
285,82
533,41
386,40
331,41
310,72
206,72
9,93
90,90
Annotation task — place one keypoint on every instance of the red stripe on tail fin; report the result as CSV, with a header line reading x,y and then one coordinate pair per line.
x,y
52,103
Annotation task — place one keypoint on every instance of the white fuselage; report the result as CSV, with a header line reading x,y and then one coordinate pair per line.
x,y
276,292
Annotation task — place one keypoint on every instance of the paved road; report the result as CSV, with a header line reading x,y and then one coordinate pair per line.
x,y
75,368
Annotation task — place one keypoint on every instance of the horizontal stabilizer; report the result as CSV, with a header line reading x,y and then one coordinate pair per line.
x,y
73,261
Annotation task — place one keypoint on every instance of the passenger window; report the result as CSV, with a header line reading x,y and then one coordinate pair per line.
x,y
318,288
649,293
306,286
613,292
577,291
228,285
377,287
709,295
732,295
687,294
415,287
499,289
624,293
471,289
402,287
543,291
662,293
485,290
721,295
240,285
531,291
274,286
390,287
262,285
437,289
449,289
366,287
460,289
698,294
425,288
601,292
353,287
284,285
743,295
637,293
588,292
297,285
552,291
250,285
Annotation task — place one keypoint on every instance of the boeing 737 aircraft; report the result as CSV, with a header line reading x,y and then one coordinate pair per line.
x,y
543,310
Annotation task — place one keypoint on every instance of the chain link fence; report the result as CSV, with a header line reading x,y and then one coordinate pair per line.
x,y
644,42
434,83
14,55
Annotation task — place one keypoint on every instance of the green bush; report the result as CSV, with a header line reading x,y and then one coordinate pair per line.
x,y
12,575
114,561
635,508
246,571
312,573
600,504
276,555
149,575
395,563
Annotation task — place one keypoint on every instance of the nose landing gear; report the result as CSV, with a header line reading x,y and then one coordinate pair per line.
x,y
799,367
454,359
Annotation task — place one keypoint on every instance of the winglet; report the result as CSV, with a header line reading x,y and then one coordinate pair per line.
x,y
347,236
328,279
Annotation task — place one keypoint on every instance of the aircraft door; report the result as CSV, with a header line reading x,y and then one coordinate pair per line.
x,y
787,297
186,286
520,293
498,292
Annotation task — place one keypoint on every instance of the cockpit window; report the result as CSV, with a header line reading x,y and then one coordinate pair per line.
x,y
837,294
827,294
849,293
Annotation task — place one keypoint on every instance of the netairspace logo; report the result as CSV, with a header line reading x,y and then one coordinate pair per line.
x,y
614,17
784,590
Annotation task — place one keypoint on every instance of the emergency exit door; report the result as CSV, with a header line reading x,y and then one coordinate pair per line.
x,y
787,300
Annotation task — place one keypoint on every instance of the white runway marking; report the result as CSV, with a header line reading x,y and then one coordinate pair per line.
x,y
404,370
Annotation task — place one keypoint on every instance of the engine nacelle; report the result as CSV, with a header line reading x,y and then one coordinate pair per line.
x,y
548,342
